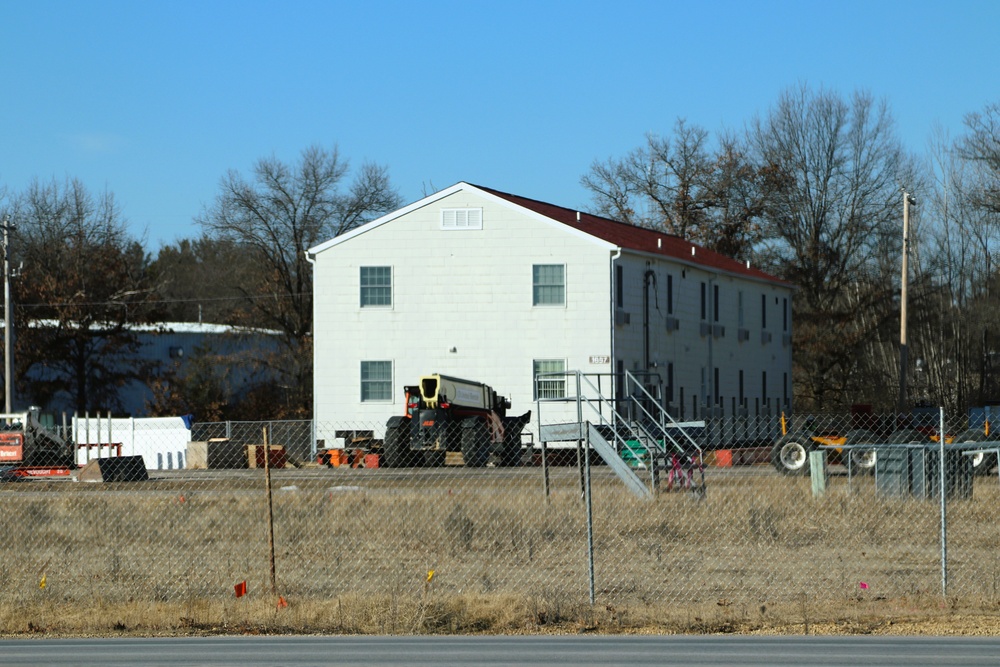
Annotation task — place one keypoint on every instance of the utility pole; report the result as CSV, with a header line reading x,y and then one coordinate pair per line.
x,y
903,349
8,324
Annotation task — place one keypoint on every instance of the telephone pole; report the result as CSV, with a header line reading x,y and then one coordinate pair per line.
x,y
903,349
8,324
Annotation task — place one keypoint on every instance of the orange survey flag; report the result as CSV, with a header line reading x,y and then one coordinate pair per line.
x,y
282,602
241,588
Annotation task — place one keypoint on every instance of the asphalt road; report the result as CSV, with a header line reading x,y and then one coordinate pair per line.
x,y
494,651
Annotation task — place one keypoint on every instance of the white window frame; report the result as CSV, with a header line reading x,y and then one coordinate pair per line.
x,y
461,219
363,287
552,387
535,286
383,397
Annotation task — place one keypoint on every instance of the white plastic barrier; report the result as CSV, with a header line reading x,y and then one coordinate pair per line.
x,y
161,441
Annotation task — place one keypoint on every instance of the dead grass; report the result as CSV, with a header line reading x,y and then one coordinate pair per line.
x,y
354,549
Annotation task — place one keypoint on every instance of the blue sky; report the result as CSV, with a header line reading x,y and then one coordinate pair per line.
x,y
155,101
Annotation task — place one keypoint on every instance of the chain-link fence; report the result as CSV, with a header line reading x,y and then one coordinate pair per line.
x,y
828,509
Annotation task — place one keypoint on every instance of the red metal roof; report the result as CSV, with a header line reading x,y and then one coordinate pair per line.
x,y
630,237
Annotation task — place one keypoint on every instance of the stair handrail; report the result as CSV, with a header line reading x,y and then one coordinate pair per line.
x,y
661,417
598,397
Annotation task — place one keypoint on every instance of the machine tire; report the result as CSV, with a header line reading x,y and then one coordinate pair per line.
x,y
475,443
434,459
510,453
860,461
790,453
396,448
983,463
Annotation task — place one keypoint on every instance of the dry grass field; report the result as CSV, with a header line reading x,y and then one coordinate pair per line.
x,y
459,551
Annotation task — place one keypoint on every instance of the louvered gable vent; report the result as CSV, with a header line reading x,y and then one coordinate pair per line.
x,y
461,218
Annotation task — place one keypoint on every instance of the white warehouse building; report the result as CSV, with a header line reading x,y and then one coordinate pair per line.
x,y
484,285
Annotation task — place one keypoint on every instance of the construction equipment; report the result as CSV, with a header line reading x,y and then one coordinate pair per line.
x,y
29,449
447,414
790,452
982,432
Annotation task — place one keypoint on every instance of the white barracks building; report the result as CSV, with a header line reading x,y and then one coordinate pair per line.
x,y
489,286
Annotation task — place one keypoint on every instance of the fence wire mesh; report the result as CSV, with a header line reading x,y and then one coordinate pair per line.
x,y
755,512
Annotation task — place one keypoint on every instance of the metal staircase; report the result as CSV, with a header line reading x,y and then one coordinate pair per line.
x,y
631,434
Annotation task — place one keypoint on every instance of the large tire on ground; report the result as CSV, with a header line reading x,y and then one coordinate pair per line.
x,y
982,463
510,452
396,451
435,458
475,443
790,454
860,461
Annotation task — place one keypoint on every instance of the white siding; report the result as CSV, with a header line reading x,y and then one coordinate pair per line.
x,y
468,291
462,305
690,351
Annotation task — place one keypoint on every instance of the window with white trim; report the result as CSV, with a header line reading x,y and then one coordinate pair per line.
x,y
548,285
552,386
376,286
461,218
376,381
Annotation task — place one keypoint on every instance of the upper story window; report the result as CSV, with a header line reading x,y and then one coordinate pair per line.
x,y
376,286
548,285
461,218
670,294
619,286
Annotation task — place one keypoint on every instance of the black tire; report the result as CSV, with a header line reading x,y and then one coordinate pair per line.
x,y
434,458
396,451
475,443
790,453
985,465
860,461
510,454
985,462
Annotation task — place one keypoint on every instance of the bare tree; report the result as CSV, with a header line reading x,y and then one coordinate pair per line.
x,y
274,217
197,280
835,168
83,284
982,146
956,319
679,185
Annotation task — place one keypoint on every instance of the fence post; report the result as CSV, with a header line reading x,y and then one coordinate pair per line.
x,y
942,472
817,472
270,506
586,489
86,427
